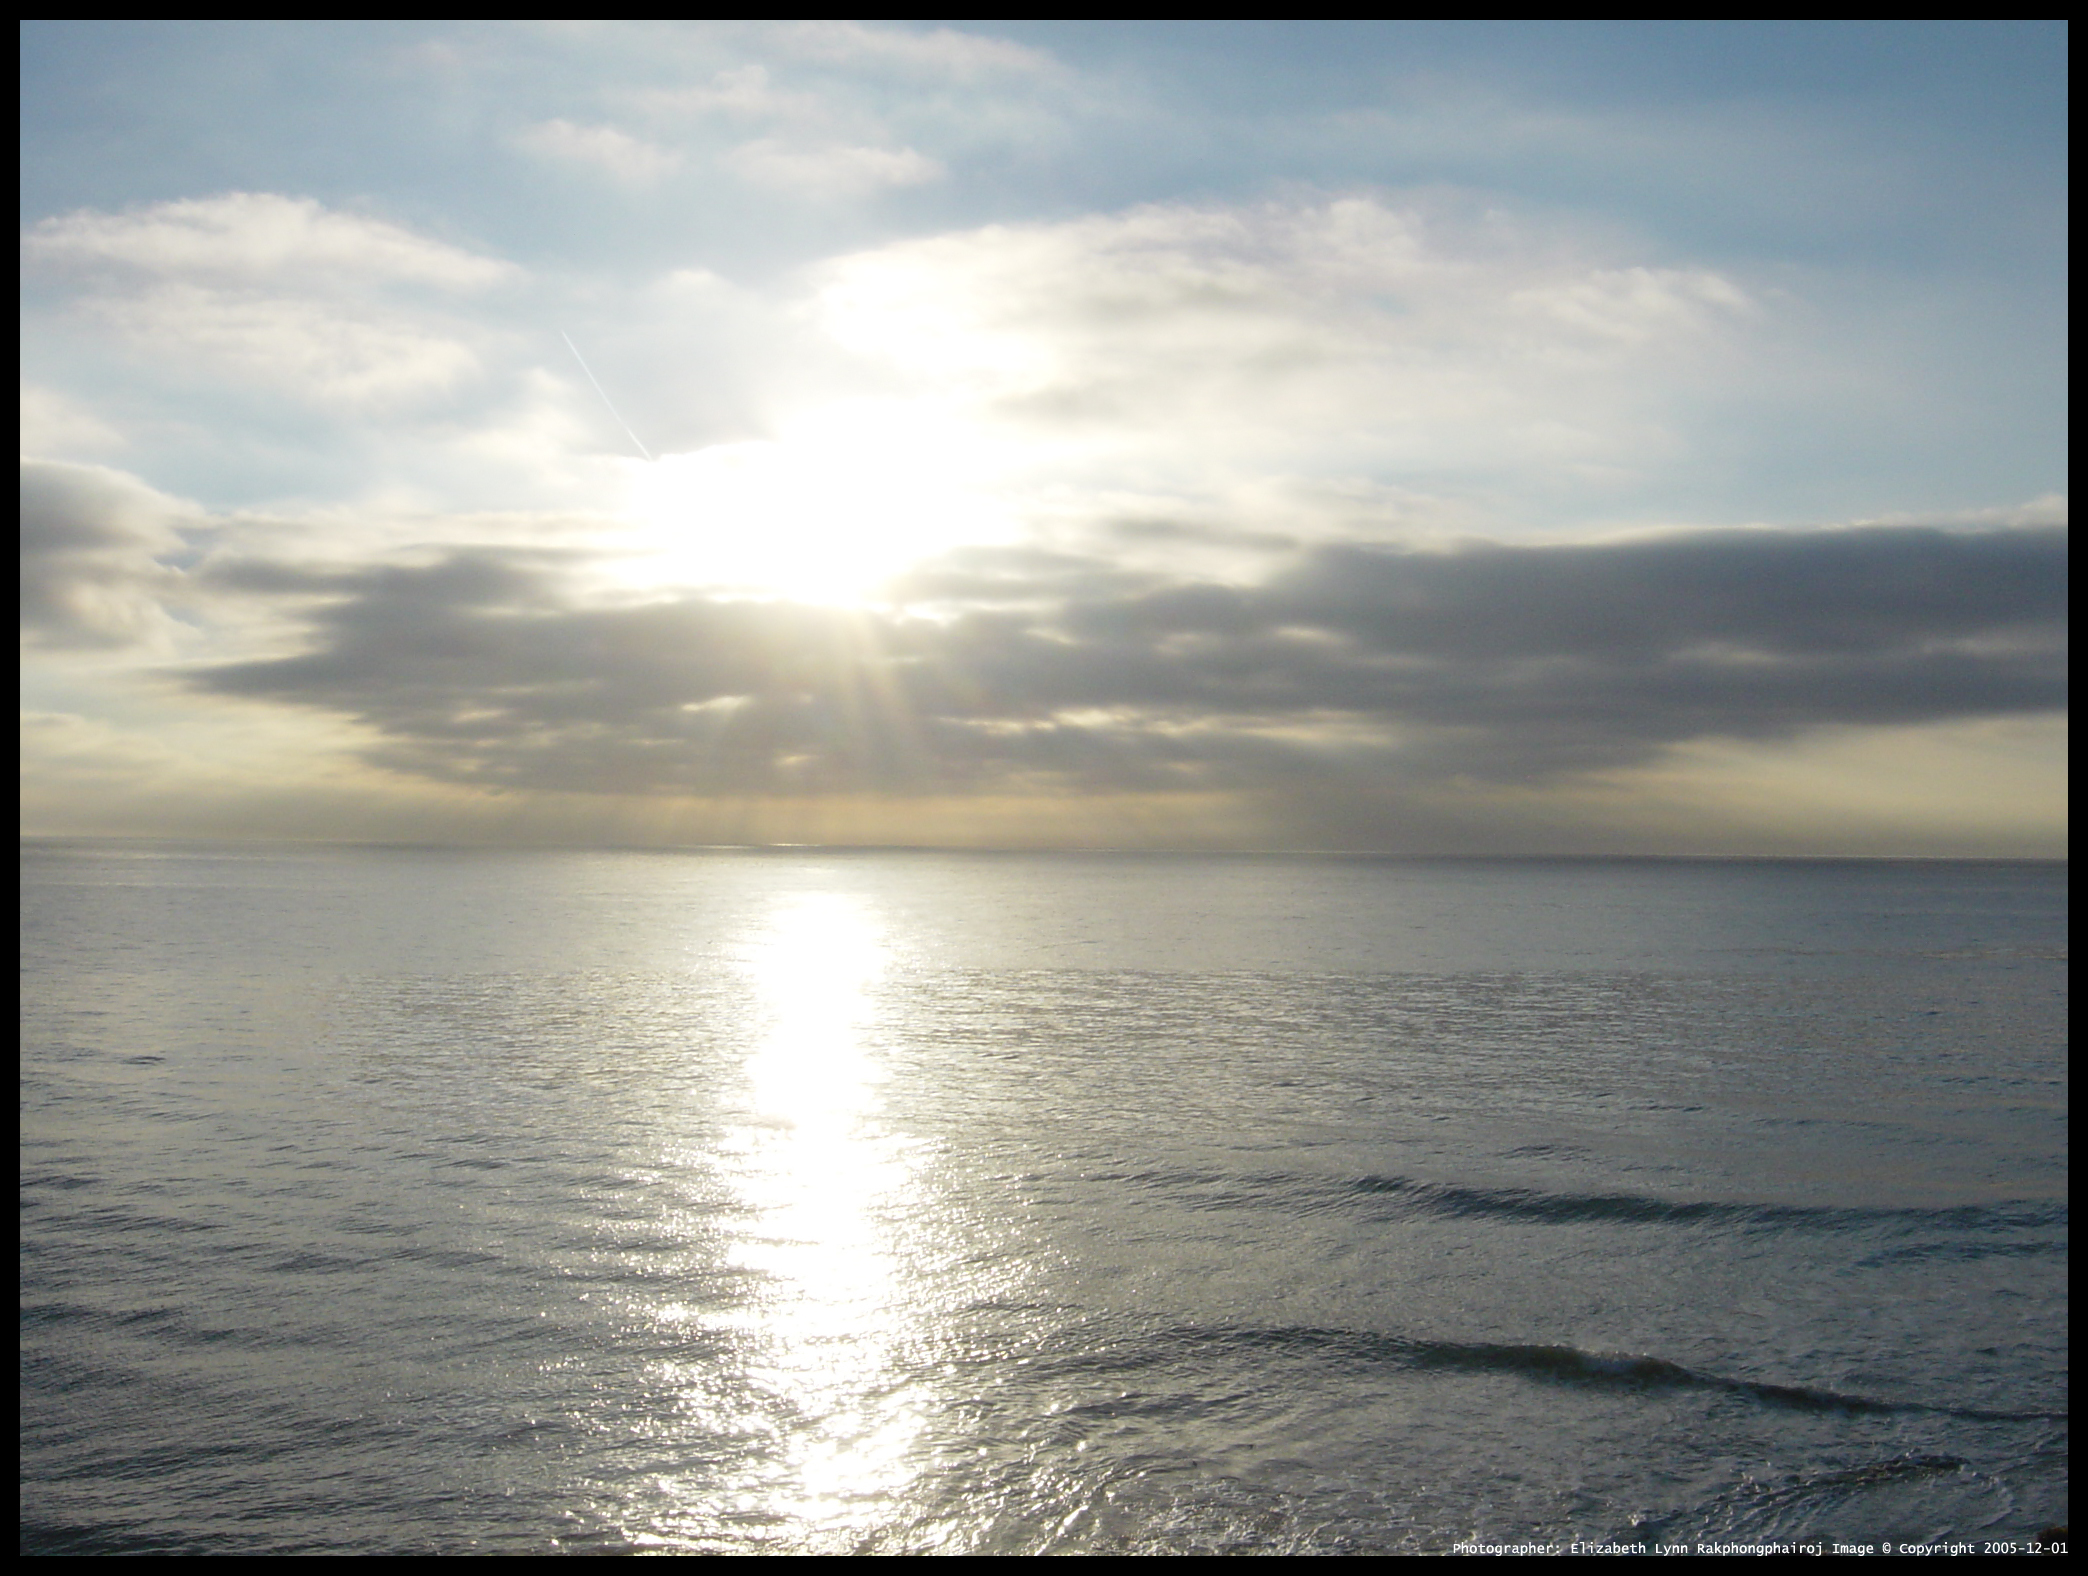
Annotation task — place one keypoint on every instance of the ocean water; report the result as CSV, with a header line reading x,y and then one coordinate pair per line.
x,y
386,1200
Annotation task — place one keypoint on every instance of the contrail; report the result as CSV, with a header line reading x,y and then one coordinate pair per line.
x,y
575,349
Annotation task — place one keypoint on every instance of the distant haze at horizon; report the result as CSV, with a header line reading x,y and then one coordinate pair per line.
x,y
1404,438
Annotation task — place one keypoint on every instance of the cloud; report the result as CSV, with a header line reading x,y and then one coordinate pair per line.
x,y
255,237
1354,332
87,753
1039,673
832,170
272,292
742,92
92,541
825,144
52,423
825,110
318,351
629,159
1633,305
941,51
829,110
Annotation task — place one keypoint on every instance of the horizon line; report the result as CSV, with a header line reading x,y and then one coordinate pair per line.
x,y
1020,849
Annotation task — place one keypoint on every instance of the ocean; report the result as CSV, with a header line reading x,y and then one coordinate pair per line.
x,y
398,1200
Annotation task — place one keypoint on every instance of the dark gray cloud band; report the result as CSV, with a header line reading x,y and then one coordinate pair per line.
x,y
1026,671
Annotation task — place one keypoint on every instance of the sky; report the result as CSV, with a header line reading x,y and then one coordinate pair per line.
x,y
1419,438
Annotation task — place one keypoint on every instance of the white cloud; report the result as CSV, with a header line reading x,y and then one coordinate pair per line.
x,y
1318,337
256,236
742,91
628,159
827,109
831,171
320,352
271,292
941,51
54,424
1629,306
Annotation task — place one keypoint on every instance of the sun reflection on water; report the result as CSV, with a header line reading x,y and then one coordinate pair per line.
x,y
819,1179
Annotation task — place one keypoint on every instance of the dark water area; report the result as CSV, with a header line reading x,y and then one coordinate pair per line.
x,y
386,1201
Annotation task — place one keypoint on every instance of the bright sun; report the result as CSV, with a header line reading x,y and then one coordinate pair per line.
x,y
835,505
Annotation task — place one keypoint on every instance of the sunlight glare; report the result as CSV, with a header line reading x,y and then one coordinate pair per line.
x,y
845,498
